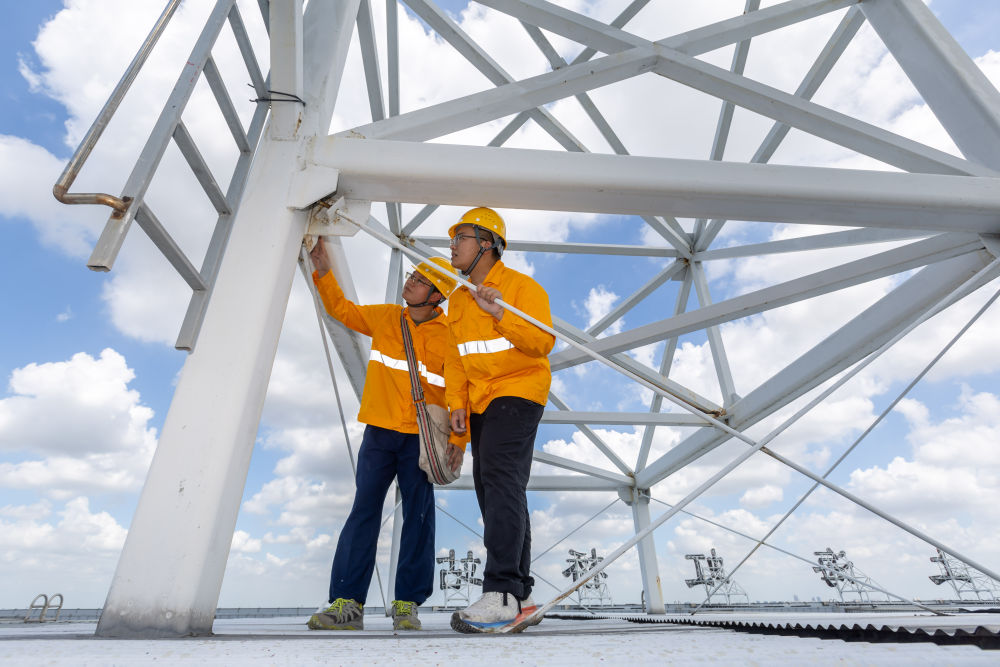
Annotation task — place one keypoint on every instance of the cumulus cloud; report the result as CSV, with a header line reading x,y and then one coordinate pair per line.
x,y
70,550
101,441
27,174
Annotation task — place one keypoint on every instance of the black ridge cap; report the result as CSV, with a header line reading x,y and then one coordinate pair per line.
x,y
982,637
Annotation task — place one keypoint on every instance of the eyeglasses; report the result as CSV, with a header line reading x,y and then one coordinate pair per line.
x,y
458,237
415,277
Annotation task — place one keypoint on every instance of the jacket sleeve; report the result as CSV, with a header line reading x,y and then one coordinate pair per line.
x,y
340,307
456,383
530,298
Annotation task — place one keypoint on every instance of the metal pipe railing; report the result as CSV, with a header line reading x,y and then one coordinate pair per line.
x,y
61,189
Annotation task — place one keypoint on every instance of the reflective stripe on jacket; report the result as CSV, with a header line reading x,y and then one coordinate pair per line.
x,y
487,357
387,400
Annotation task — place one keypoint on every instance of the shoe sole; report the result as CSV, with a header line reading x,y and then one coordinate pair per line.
x,y
528,611
406,625
459,624
313,624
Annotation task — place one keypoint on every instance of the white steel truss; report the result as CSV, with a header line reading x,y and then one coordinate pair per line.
x,y
928,218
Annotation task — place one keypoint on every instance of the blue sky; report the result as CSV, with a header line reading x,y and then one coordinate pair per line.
x,y
55,310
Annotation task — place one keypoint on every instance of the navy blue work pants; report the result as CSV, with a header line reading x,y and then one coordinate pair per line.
x,y
385,454
503,438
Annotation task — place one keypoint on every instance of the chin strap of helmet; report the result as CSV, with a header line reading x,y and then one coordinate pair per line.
x,y
468,272
428,303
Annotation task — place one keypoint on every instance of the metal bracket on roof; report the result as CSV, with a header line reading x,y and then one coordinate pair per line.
x,y
335,216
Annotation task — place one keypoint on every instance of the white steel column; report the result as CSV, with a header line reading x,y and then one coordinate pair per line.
x,y
170,573
639,502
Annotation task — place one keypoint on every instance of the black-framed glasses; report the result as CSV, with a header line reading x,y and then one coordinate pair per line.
x,y
415,277
458,237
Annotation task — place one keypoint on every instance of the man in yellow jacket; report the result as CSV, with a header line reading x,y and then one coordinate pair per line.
x,y
497,379
390,446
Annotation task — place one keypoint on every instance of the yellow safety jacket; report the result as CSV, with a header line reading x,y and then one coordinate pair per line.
x,y
387,400
487,357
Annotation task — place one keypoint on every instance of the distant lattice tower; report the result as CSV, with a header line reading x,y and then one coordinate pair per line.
x,y
595,591
710,572
838,572
922,214
458,578
968,584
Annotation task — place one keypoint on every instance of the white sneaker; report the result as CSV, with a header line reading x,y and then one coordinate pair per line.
x,y
491,613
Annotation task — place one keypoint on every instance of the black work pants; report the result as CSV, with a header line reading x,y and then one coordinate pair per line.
x,y
503,438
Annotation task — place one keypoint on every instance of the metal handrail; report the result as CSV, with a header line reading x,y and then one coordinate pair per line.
x,y
61,189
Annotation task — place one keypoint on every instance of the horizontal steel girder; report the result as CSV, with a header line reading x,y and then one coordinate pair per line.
x,y
447,174
622,418
545,483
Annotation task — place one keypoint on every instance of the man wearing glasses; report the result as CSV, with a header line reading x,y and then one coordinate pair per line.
x,y
497,379
390,447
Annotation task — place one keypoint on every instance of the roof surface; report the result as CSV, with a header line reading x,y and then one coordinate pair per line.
x,y
286,641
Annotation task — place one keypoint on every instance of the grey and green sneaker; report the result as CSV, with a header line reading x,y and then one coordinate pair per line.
x,y
404,615
341,615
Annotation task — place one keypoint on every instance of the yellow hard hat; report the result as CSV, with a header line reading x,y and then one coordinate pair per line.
x,y
440,275
483,217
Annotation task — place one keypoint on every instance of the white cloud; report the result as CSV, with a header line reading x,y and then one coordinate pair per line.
x,y
101,441
600,301
27,174
243,543
72,551
761,496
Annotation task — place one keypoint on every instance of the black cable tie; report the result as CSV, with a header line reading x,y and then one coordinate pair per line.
x,y
286,97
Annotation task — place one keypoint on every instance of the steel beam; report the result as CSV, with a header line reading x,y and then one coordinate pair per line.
x,y
188,334
609,39
369,58
850,343
106,250
828,57
622,418
891,262
648,374
559,247
680,305
545,483
583,468
587,432
955,89
849,237
813,118
653,591
170,572
375,170
509,97
671,272
443,24
719,357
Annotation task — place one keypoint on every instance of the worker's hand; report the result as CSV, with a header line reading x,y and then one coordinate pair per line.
x,y
458,421
486,297
320,259
455,456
